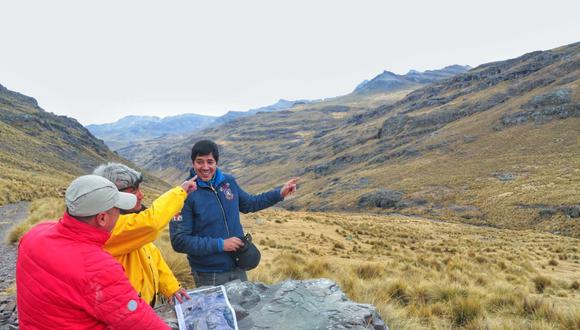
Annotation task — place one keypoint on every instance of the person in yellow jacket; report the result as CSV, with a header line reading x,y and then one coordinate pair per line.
x,y
131,241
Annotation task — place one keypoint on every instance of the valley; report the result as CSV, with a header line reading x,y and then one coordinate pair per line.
x,y
447,203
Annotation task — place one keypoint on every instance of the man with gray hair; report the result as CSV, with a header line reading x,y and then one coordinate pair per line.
x,y
64,278
131,241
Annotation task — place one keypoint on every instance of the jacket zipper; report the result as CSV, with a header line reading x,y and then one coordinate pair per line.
x,y
222,208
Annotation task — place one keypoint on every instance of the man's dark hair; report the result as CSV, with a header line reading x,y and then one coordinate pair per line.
x,y
204,148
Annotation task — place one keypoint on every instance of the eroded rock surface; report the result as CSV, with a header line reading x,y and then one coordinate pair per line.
x,y
311,304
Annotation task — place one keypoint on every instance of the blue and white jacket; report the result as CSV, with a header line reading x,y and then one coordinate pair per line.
x,y
210,215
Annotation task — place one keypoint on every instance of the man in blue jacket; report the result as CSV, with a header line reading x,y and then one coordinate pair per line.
x,y
209,229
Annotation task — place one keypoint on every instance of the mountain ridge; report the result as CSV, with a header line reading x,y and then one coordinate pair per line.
x,y
40,152
131,130
389,81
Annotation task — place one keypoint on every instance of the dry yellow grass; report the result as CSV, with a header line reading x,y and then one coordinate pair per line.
x,y
421,273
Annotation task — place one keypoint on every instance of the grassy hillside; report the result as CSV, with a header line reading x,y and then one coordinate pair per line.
x,y
40,153
495,146
419,273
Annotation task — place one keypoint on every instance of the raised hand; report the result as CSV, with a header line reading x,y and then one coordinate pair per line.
x,y
289,188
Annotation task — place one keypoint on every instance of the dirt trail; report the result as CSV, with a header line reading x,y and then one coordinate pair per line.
x,y
10,215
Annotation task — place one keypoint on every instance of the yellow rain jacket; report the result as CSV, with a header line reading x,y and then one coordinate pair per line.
x,y
131,244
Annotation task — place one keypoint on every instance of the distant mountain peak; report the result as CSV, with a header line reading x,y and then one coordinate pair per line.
x,y
450,68
281,105
132,128
389,81
388,73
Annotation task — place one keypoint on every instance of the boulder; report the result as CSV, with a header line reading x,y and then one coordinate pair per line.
x,y
504,176
383,198
573,211
310,304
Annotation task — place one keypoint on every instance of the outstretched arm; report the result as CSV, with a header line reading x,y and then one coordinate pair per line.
x,y
253,203
132,231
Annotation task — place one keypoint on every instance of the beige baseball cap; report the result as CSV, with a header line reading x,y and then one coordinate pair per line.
x,y
91,194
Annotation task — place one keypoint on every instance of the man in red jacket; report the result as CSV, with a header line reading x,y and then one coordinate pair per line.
x,y
64,278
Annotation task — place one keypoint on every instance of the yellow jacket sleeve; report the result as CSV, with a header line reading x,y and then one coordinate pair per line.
x,y
132,231
168,284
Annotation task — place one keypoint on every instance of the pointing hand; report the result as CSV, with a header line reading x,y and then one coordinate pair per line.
x,y
289,188
189,185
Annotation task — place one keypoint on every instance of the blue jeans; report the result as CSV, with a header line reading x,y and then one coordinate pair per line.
x,y
213,279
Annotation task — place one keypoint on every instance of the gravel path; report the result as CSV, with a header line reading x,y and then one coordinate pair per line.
x,y
10,215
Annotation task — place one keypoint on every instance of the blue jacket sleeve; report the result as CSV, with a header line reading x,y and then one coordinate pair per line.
x,y
184,240
253,203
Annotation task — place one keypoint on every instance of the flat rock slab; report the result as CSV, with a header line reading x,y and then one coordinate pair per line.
x,y
311,304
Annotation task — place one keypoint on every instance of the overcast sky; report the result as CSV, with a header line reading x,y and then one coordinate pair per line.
x,y
99,61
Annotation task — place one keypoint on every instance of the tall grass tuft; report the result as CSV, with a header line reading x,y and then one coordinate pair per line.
x,y
399,292
465,310
368,271
541,283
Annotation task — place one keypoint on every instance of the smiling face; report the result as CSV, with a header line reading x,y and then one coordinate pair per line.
x,y
205,167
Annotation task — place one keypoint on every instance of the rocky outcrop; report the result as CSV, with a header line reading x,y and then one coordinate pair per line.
x,y
547,211
556,104
389,199
312,304
6,95
383,198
